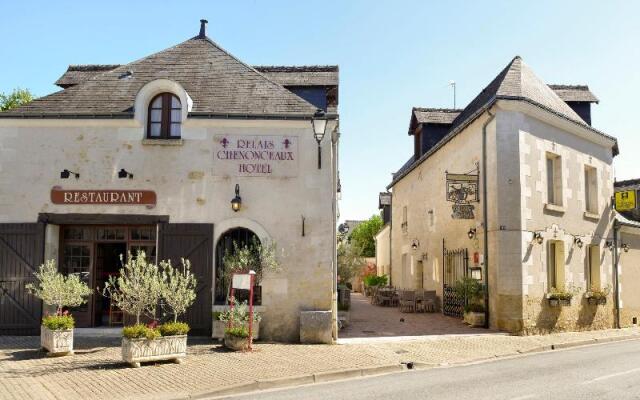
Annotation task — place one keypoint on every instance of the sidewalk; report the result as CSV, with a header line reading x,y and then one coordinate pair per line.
x,y
96,371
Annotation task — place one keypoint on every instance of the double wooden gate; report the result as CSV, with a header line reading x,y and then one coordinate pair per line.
x,y
455,267
22,251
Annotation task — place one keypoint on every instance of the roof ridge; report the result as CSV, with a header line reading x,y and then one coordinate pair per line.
x,y
92,67
451,110
565,86
297,68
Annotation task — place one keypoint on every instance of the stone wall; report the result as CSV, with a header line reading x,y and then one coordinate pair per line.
x,y
629,270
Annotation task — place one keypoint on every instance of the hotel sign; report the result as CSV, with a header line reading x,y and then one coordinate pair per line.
x,y
625,200
244,155
111,197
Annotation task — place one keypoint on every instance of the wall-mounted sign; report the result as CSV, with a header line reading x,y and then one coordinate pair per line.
x,y
625,200
462,190
243,155
114,197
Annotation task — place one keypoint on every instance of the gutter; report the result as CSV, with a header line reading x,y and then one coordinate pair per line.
x,y
485,217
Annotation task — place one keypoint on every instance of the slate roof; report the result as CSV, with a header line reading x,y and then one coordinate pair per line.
x,y
435,115
515,82
218,83
314,75
80,73
626,183
578,93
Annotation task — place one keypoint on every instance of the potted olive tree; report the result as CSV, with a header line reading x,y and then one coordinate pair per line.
x,y
138,291
55,289
236,320
470,290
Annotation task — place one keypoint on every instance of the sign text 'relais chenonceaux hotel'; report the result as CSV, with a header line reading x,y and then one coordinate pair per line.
x,y
243,155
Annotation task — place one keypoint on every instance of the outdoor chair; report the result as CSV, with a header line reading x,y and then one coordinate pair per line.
x,y
385,297
430,301
420,301
407,301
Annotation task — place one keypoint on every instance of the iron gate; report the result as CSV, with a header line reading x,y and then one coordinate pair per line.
x,y
455,267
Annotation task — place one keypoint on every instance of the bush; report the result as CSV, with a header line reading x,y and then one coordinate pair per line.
x,y
237,331
239,314
474,307
375,280
174,329
597,293
562,294
58,322
140,331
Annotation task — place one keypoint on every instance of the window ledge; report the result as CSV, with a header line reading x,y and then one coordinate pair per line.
x,y
554,208
163,142
590,215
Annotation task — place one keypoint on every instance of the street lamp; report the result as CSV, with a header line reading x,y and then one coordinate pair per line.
x,y
236,202
319,123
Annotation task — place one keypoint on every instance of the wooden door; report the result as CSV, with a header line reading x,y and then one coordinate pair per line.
x,y
193,242
21,253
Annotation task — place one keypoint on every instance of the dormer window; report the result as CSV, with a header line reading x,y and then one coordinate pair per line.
x,y
165,117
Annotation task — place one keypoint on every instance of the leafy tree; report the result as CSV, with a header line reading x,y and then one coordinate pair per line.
x,y
139,287
16,98
255,256
363,236
179,289
349,261
58,290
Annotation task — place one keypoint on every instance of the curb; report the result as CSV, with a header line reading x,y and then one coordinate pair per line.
x,y
328,376
319,377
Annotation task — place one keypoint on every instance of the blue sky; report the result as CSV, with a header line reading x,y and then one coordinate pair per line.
x,y
392,56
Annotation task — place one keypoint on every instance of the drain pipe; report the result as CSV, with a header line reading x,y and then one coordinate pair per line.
x,y
485,227
616,259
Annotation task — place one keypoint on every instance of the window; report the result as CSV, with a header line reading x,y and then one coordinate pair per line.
x,y
593,262
591,189
555,265
554,179
165,117
405,224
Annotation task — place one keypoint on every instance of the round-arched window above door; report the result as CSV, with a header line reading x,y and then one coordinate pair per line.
x,y
241,237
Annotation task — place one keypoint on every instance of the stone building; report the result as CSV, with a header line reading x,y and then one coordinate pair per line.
x,y
514,190
148,155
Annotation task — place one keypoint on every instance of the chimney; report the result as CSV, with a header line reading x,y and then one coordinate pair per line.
x,y
203,28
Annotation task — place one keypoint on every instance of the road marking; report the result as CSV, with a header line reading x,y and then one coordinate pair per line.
x,y
601,378
528,396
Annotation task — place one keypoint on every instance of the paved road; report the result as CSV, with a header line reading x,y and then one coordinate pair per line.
x,y
606,371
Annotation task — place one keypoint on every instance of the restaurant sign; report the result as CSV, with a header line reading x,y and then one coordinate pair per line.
x,y
625,200
112,197
462,190
255,155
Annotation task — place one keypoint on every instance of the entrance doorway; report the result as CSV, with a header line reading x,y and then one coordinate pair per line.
x,y
93,253
241,237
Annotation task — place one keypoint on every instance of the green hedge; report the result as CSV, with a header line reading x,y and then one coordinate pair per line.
x,y
58,322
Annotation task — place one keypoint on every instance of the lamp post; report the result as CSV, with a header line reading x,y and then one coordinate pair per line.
x,y
319,123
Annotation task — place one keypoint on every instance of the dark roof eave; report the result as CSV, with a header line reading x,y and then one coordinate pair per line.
x,y
195,115
26,115
477,114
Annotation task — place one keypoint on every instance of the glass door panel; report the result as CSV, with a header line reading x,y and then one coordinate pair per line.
x,y
77,260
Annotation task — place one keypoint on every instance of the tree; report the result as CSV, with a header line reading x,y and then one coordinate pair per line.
x,y
16,98
139,287
179,289
349,261
255,256
58,290
363,236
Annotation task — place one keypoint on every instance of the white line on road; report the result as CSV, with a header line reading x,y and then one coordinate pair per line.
x,y
528,396
603,377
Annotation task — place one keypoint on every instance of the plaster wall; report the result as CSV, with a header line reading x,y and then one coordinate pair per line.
x,y
33,152
629,271
383,250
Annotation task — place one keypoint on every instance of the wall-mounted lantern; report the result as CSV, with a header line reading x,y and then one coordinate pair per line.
x,y
319,123
65,174
236,202
123,173
415,244
471,233
537,237
609,244
578,242
625,247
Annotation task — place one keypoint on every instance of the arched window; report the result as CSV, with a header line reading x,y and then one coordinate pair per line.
x,y
165,117
227,244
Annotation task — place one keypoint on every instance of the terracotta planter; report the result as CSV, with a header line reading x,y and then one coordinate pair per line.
x,y
236,343
475,319
57,343
135,351
219,326
559,302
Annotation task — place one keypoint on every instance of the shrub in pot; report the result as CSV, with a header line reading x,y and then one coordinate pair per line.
x,y
597,296
55,289
236,316
471,291
236,338
138,290
559,297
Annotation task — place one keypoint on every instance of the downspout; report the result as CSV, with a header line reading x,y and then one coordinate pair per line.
x,y
616,300
485,226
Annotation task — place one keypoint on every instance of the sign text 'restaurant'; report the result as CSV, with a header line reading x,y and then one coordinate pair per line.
x,y
125,197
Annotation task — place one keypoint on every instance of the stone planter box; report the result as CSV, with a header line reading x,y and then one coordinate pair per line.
x,y
559,302
135,351
219,326
236,343
57,343
597,301
475,319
